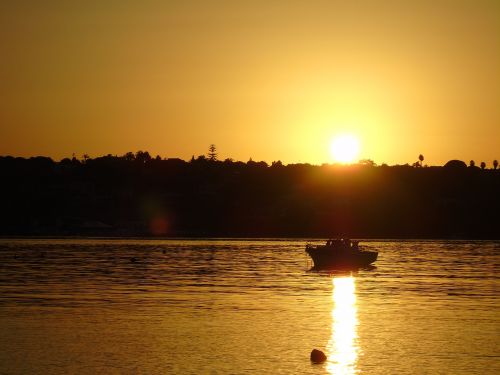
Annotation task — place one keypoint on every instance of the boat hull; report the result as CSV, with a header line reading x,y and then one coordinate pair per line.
x,y
331,259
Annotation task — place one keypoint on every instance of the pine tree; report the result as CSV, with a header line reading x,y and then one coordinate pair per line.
x,y
212,153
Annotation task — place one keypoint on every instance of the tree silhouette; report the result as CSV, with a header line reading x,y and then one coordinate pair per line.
x,y
129,156
212,153
142,157
483,165
243,199
421,158
368,162
456,164
495,164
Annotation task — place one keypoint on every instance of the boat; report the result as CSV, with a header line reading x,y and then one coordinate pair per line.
x,y
340,254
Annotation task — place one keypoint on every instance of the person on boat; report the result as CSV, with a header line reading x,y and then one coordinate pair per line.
x,y
347,243
355,245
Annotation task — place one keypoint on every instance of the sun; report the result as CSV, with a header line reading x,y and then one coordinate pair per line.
x,y
345,148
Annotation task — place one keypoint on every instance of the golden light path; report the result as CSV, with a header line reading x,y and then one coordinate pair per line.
x,y
342,346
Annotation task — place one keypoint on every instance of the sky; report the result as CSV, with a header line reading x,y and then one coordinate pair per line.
x,y
267,80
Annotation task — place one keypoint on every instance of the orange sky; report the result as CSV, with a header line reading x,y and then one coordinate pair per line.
x,y
270,80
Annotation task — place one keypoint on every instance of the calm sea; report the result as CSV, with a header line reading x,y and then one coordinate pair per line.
x,y
245,307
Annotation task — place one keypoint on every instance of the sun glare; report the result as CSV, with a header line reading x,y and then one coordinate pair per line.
x,y
343,345
345,148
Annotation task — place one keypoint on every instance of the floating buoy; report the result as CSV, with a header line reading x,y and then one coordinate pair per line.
x,y
317,356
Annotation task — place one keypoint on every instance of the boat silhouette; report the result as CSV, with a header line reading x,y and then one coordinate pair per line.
x,y
340,254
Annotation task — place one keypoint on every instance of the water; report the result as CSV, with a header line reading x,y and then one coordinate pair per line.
x,y
241,307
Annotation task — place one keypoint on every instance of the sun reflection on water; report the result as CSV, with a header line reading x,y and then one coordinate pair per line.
x,y
342,346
